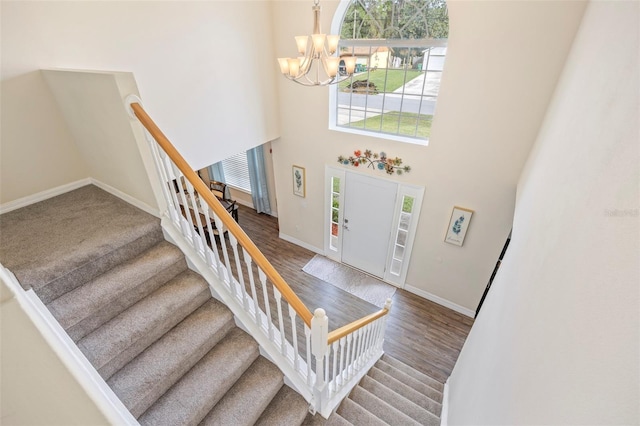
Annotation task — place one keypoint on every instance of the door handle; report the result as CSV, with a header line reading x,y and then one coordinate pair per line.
x,y
345,227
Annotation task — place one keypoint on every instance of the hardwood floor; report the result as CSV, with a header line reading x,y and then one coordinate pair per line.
x,y
420,333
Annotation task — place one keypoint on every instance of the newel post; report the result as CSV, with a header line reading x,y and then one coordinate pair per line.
x,y
319,346
387,304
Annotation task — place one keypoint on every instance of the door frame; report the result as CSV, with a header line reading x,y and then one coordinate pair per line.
x,y
333,247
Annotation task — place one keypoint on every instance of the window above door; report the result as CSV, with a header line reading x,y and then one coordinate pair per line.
x,y
400,49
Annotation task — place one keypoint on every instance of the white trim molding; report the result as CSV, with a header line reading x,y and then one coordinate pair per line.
x,y
62,189
444,414
440,301
126,197
43,195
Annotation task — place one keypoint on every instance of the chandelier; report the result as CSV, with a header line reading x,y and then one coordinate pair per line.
x,y
317,66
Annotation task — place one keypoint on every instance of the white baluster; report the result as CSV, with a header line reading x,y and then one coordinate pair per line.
x,y
334,378
254,297
267,308
319,333
153,145
358,358
175,190
354,353
326,367
294,337
367,341
225,253
278,297
383,324
343,340
347,367
219,266
184,201
380,336
374,336
241,293
307,334
363,346
201,242
372,339
214,257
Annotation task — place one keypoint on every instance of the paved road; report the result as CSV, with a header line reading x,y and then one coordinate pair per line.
x,y
388,102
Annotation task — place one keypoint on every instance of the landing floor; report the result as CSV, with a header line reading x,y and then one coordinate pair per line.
x,y
421,333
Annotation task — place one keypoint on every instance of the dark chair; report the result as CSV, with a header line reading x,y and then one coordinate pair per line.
x,y
221,191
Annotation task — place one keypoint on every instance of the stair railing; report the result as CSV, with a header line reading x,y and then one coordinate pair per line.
x,y
256,293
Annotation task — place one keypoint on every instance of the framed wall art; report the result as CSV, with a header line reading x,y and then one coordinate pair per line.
x,y
458,225
299,181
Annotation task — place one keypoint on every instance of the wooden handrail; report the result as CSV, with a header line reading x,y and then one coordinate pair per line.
x,y
203,191
351,327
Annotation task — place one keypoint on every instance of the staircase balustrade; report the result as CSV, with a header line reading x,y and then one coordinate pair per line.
x,y
266,305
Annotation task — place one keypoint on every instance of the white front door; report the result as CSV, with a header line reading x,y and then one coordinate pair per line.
x,y
368,218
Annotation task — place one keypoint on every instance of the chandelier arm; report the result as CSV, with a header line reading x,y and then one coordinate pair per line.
x,y
308,60
308,83
316,54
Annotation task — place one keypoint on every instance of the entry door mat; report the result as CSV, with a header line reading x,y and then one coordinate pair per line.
x,y
349,279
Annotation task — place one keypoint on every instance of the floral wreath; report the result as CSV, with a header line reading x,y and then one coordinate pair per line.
x,y
376,161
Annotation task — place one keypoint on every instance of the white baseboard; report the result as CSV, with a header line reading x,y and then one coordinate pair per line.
x,y
444,414
440,301
125,197
300,243
50,193
44,195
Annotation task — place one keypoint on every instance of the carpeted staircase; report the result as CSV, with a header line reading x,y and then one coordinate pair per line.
x,y
151,329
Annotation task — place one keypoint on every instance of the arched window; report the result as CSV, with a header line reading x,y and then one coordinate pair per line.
x,y
400,47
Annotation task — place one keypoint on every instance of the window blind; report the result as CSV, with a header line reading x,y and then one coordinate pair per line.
x,y
236,171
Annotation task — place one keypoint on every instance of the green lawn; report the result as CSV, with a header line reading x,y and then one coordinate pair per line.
x,y
395,79
390,124
336,185
407,204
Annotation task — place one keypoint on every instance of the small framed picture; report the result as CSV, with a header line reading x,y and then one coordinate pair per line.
x,y
299,181
458,225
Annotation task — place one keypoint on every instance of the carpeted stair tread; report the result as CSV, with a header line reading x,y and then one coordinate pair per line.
x,y
120,340
380,408
191,398
337,420
405,391
59,244
397,401
356,415
410,381
437,385
249,396
87,307
288,407
141,382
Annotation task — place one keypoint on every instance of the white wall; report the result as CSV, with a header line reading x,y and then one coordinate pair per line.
x,y
37,150
503,62
205,71
36,387
557,339
96,116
